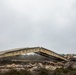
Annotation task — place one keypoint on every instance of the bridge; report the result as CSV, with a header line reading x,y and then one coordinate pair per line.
x,y
39,50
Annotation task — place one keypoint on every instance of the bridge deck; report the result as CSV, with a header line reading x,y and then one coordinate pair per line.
x,y
40,50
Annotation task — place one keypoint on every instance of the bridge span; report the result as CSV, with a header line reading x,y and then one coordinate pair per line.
x,y
39,50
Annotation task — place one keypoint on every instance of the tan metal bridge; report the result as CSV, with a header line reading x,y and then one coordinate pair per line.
x,y
39,50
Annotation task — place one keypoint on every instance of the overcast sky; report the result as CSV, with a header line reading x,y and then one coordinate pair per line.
x,y
46,23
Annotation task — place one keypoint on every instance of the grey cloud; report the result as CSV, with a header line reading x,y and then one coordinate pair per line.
x,y
47,23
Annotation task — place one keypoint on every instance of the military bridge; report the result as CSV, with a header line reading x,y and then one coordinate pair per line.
x,y
39,50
